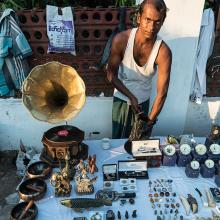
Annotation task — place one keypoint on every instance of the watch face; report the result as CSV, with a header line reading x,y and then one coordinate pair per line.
x,y
200,149
195,165
169,150
185,149
215,148
209,163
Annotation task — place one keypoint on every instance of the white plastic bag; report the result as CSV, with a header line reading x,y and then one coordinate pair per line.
x,y
60,30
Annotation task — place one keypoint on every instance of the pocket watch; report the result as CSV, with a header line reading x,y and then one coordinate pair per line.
x,y
200,149
184,156
185,149
192,169
169,150
208,169
199,153
214,152
169,155
215,149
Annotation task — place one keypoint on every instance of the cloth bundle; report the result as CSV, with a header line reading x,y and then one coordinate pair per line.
x,y
14,49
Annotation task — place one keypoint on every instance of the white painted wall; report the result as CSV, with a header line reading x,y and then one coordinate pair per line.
x,y
180,31
16,122
200,117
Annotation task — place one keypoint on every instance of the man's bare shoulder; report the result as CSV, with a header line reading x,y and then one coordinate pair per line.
x,y
120,40
164,51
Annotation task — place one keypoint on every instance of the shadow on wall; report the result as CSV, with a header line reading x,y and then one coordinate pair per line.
x,y
201,117
174,113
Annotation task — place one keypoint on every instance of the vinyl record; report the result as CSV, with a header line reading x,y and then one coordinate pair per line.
x,y
64,133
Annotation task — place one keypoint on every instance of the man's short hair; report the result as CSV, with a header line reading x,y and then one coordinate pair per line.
x,y
159,5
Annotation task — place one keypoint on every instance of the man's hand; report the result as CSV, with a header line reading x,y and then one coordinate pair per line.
x,y
135,105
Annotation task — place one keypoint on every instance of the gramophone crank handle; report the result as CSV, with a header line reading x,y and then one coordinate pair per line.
x,y
26,209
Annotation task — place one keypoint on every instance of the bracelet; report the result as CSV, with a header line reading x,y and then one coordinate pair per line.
x,y
151,122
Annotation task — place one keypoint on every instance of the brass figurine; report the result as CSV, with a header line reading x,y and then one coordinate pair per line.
x,y
215,133
84,185
92,168
61,181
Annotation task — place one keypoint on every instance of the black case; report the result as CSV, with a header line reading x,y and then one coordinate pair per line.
x,y
111,174
133,169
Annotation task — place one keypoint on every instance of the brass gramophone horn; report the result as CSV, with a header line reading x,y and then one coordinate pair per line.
x,y
53,92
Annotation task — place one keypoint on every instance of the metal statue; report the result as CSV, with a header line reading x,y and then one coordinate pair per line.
x,y
61,181
84,185
91,167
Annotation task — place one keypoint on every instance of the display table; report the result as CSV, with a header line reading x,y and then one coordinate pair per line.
x,y
50,208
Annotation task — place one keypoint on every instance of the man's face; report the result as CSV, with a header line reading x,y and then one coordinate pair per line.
x,y
150,21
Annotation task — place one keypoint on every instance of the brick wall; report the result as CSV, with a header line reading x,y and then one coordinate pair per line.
x,y
93,26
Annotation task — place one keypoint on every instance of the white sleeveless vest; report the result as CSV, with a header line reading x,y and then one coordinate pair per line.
x,y
137,79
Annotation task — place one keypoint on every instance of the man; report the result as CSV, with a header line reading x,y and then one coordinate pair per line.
x,y
135,54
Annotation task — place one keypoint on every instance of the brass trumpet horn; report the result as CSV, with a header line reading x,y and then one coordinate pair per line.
x,y
53,92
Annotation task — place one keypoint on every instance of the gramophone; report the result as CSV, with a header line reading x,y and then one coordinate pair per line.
x,y
53,93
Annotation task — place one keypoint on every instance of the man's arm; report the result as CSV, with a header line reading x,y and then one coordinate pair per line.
x,y
117,52
164,60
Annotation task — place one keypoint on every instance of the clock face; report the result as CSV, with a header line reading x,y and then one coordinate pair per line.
x,y
209,163
169,150
195,165
215,148
185,149
200,149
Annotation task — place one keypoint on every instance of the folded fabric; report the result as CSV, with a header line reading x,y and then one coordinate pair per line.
x,y
21,47
14,48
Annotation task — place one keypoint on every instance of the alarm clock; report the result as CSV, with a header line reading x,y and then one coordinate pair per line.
x,y
184,156
192,169
208,169
214,152
199,153
169,155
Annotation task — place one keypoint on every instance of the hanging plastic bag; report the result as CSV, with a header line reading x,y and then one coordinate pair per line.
x,y
60,30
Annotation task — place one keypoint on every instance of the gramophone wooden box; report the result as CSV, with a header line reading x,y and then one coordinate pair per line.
x,y
59,140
